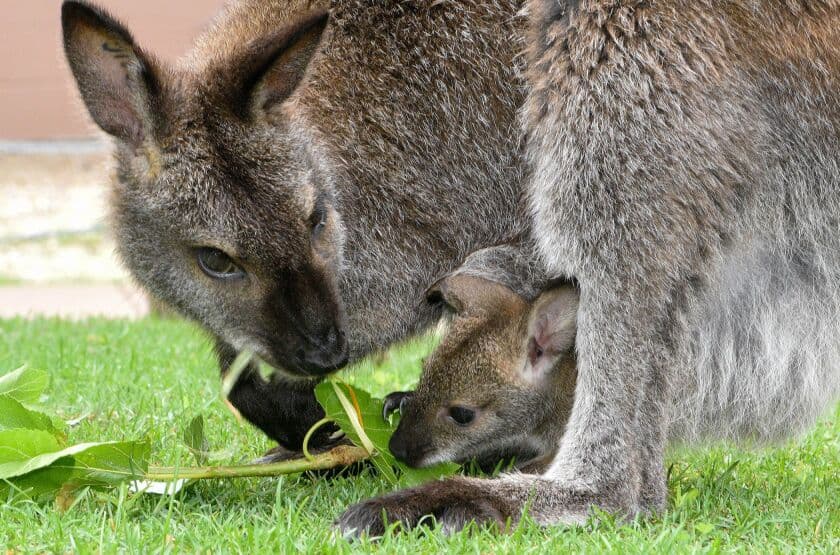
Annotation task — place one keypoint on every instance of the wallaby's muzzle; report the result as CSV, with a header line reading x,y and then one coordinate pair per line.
x,y
326,354
304,322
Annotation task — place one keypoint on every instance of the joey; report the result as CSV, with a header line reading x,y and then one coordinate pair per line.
x,y
499,385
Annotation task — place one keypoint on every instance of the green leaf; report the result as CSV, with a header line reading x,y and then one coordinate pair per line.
x,y
24,384
40,469
95,465
111,463
20,446
42,484
196,441
15,415
370,417
34,458
23,451
378,430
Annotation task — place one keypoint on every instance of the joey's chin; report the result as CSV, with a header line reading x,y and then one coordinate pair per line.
x,y
503,457
429,459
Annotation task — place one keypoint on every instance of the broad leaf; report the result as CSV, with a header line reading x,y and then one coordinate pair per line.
x,y
369,415
42,484
377,429
13,415
96,465
22,451
20,446
111,463
24,384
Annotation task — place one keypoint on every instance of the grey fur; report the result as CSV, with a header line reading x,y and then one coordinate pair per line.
x,y
686,158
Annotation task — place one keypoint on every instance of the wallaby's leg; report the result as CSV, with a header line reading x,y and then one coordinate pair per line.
x,y
283,410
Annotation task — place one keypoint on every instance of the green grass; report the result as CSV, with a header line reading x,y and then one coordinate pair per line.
x,y
151,377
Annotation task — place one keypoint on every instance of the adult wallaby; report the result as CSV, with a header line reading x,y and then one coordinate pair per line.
x,y
303,175
686,158
500,384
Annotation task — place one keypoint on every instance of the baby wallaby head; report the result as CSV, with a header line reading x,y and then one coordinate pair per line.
x,y
500,384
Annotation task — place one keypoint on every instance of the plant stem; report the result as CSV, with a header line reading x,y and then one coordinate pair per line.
x,y
343,455
308,436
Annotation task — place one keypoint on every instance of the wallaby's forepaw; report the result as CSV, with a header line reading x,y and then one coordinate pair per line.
x,y
281,454
450,504
453,503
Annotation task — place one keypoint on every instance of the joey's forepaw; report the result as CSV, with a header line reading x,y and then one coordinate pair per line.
x,y
395,401
449,504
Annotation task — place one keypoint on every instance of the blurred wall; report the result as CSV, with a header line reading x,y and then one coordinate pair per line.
x,y
38,99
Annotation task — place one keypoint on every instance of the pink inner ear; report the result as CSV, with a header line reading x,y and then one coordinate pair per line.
x,y
535,350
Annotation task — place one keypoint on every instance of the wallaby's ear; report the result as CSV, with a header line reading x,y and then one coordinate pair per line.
x,y
468,294
552,325
118,82
272,68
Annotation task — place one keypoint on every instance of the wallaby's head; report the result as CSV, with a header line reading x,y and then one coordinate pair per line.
x,y
219,207
501,383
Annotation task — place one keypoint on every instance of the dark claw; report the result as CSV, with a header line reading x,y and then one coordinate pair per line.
x,y
394,401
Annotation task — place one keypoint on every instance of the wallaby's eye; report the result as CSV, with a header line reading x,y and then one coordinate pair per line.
x,y
318,218
217,264
462,415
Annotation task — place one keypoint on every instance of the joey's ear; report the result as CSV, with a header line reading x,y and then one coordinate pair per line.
x,y
439,293
468,294
553,321
272,67
119,84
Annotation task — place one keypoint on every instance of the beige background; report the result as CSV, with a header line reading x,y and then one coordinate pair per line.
x,y
37,97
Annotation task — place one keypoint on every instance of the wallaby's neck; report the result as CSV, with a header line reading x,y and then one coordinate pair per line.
x,y
426,155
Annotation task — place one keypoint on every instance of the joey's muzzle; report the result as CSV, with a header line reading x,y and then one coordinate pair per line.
x,y
407,447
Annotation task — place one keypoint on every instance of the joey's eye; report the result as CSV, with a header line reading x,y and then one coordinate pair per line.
x,y
217,264
462,415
